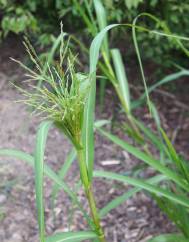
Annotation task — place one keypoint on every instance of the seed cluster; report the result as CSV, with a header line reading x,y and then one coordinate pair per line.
x,y
60,94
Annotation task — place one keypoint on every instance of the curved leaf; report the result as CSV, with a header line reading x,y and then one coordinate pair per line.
x,y
102,22
147,159
62,173
120,199
48,172
30,160
182,200
71,236
88,136
169,238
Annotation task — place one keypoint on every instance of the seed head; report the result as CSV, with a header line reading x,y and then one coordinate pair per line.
x,y
60,93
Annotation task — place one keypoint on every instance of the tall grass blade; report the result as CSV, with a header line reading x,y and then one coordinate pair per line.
x,y
120,199
95,47
62,173
90,25
155,116
88,136
30,160
147,159
102,23
140,61
180,164
166,31
71,236
176,213
49,173
182,200
169,238
18,154
39,170
149,134
165,80
122,78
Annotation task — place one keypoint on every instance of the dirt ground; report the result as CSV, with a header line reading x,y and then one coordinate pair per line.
x,y
137,220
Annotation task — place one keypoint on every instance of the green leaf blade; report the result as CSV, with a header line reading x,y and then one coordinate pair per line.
x,y
122,78
147,159
39,174
182,200
88,133
120,199
169,238
71,236
62,173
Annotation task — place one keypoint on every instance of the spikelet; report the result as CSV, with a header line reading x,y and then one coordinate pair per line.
x,y
62,92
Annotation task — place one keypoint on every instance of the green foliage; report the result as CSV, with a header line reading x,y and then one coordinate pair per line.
x,y
66,98
61,97
71,236
122,85
18,20
41,18
132,3
38,19
169,238
168,163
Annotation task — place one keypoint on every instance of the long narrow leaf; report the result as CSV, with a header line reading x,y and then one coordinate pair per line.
x,y
182,200
169,238
48,172
71,236
88,136
122,78
180,164
149,134
140,61
120,199
62,173
165,80
166,31
30,160
90,26
102,22
147,159
39,170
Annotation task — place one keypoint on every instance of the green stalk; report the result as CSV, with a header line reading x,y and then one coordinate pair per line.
x,y
89,194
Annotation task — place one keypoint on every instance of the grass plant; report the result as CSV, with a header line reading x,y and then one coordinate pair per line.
x,y
65,98
61,99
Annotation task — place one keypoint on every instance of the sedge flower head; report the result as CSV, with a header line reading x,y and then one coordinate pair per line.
x,y
58,92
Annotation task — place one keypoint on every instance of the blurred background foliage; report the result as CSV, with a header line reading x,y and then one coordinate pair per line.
x,y
40,20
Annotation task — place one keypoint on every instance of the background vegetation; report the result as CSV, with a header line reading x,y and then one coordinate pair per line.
x,y
65,98
40,20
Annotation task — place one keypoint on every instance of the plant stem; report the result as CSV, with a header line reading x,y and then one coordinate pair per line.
x,y
89,194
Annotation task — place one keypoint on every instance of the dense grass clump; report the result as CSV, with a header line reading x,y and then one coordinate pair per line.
x,y
65,98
